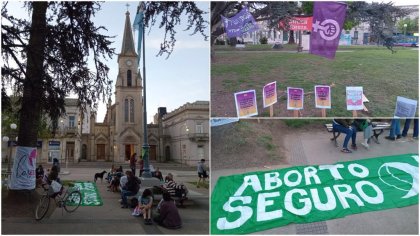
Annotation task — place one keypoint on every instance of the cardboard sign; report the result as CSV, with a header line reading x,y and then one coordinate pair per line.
x,y
354,98
256,201
322,96
246,103
405,108
270,94
294,98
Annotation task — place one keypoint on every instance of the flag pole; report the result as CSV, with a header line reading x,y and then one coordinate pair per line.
x,y
145,153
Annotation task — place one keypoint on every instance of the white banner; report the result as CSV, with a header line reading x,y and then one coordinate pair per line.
x,y
23,172
405,108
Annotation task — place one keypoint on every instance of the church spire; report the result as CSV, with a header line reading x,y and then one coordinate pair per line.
x,y
128,42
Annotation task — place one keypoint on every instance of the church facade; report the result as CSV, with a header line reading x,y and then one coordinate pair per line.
x,y
180,135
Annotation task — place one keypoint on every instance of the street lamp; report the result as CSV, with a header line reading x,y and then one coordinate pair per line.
x,y
6,139
180,142
405,29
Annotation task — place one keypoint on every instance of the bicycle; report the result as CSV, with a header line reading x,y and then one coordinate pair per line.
x,y
70,200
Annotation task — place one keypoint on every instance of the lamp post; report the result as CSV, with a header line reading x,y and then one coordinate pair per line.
x,y
180,142
405,29
6,139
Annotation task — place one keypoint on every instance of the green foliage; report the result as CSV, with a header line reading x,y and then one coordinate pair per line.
x,y
263,40
267,142
412,25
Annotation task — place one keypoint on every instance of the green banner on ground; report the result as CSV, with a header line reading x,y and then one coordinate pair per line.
x,y
263,200
90,194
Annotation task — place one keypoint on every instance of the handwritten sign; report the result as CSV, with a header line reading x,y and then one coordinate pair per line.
x,y
23,172
322,96
354,98
294,98
241,23
405,107
246,103
270,94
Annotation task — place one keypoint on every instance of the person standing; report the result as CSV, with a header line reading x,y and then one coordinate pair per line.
x,y
415,128
133,161
202,174
394,131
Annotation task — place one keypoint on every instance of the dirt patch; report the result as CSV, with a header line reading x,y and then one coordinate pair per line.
x,y
248,143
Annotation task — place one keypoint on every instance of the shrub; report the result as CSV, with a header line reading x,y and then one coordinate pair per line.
x,y
263,40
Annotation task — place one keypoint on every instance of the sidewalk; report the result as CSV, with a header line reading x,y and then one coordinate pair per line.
x,y
110,218
315,148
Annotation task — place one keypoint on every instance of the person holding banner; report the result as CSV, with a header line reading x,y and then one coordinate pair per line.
x,y
346,126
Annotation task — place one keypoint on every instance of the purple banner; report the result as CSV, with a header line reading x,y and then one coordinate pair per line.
x,y
241,23
327,24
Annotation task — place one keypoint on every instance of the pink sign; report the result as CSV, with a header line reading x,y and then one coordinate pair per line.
x,y
270,94
354,98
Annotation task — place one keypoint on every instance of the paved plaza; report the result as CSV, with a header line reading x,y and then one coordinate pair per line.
x,y
315,148
110,218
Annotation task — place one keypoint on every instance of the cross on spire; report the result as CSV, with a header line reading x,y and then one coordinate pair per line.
x,y
127,5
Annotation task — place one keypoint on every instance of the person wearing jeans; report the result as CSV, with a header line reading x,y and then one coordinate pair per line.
x,y
394,131
345,126
415,128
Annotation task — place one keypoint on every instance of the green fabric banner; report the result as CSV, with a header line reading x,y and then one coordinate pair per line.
x,y
263,200
90,194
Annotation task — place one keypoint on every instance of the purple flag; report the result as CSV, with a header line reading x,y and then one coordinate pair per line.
x,y
241,23
327,24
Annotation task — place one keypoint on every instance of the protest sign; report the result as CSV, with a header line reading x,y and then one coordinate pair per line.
x,y
270,94
294,98
322,96
241,23
298,23
405,108
246,103
257,201
354,98
23,172
328,18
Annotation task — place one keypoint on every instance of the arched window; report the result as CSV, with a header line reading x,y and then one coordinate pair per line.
x,y
128,78
126,110
132,110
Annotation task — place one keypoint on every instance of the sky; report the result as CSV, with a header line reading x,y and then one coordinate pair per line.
x,y
183,77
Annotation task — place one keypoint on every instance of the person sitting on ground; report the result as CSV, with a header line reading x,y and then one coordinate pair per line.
x,y
168,213
145,205
345,126
177,190
366,126
202,174
157,174
119,170
111,173
129,189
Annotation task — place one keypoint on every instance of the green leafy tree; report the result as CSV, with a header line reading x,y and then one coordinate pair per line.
x,y
412,25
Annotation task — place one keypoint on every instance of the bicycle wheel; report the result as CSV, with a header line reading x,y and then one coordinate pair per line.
x,y
42,207
72,201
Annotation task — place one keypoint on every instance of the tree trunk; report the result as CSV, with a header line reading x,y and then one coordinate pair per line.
x,y
291,37
32,88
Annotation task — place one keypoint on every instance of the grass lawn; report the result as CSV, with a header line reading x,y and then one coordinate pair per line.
x,y
383,76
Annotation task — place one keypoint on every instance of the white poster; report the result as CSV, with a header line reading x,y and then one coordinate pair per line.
x,y
23,172
405,108
354,98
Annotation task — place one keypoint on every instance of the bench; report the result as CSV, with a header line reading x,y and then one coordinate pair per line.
x,y
378,128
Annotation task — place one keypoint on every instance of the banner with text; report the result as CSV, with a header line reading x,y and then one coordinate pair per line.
x,y
23,172
241,23
405,108
322,96
354,98
263,200
298,23
294,98
90,194
328,20
270,94
246,103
